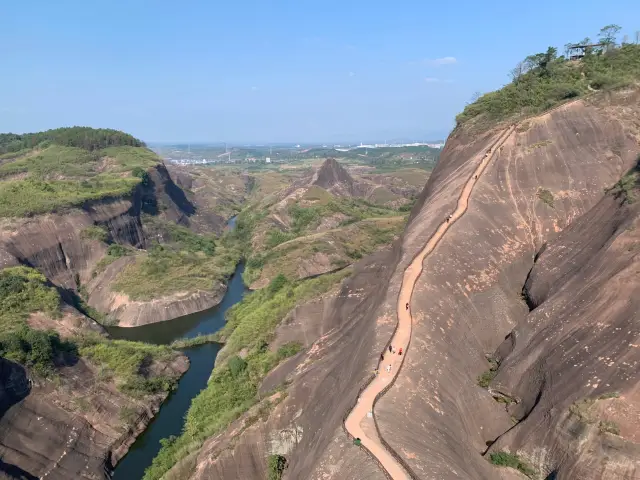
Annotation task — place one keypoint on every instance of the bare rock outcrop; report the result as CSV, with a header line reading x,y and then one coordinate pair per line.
x,y
73,428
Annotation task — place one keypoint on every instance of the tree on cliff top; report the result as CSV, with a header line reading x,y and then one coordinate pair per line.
x,y
544,80
80,137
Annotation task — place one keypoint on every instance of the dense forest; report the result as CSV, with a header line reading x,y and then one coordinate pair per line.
x,y
81,137
544,80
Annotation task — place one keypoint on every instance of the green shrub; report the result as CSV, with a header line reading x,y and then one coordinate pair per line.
x,y
275,237
484,380
80,137
35,349
128,363
546,196
548,80
505,459
288,350
277,283
95,232
276,466
606,426
237,365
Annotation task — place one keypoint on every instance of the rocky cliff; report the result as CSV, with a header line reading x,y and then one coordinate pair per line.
x,y
539,204
58,246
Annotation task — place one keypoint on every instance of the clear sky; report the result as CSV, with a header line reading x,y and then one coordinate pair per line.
x,y
272,70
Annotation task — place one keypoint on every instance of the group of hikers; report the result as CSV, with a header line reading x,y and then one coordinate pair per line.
x,y
392,351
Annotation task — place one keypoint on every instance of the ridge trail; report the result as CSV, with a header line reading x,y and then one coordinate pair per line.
x,y
357,424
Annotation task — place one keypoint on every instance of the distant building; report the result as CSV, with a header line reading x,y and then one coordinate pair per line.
x,y
268,160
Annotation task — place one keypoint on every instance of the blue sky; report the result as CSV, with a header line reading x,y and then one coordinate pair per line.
x,y
272,71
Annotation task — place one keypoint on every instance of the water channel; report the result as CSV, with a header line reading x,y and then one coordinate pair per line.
x,y
170,418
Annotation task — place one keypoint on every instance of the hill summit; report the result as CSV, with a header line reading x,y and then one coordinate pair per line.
x,y
333,176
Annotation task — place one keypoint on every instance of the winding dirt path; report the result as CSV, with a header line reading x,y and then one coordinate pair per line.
x,y
360,422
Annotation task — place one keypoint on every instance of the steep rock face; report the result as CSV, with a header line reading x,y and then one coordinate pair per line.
x,y
572,365
132,313
305,426
72,429
56,245
468,298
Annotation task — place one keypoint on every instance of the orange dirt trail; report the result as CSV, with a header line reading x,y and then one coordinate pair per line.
x,y
357,423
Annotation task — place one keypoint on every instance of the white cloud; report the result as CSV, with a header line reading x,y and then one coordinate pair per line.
x,y
352,74
431,80
436,62
254,89
444,61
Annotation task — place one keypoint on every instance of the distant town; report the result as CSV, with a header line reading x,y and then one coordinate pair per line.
x,y
202,154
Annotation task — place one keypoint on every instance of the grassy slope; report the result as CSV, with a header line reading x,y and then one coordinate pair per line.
x,y
24,291
355,237
184,262
51,177
541,89
233,386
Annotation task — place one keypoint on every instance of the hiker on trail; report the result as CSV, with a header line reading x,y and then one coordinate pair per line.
x,y
476,177
389,348
381,357
400,351
407,305
394,351
389,368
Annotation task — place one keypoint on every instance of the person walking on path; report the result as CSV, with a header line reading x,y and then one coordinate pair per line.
x,y
389,368
389,348
407,306
400,351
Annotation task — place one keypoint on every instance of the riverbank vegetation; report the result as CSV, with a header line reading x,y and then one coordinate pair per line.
x,y
234,383
545,80
128,364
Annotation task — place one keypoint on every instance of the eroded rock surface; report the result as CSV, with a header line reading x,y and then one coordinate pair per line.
x,y
548,174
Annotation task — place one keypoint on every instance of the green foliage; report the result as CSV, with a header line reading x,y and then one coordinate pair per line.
x,y
625,187
128,363
195,341
142,174
114,252
55,177
178,237
164,270
276,237
232,390
95,232
24,291
277,283
35,349
485,379
543,81
276,465
505,459
607,426
303,217
81,137
546,196
236,365
607,395
288,350
31,196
